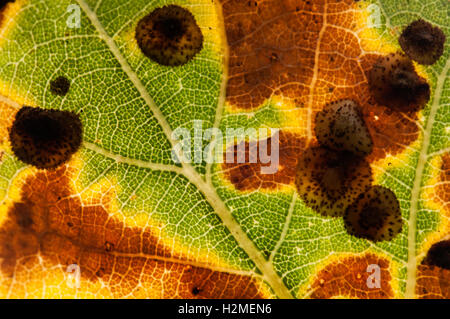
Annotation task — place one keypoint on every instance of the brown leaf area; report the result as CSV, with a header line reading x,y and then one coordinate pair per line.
x,y
50,226
347,277
433,282
307,52
248,176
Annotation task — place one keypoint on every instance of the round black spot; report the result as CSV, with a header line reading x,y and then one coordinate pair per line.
x,y
101,272
109,246
422,42
329,181
169,35
45,138
195,291
439,255
394,83
374,215
340,126
60,86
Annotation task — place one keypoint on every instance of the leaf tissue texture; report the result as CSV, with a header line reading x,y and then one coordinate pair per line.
x,y
93,203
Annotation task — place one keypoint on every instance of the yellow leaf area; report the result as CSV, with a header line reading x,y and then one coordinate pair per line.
x,y
437,190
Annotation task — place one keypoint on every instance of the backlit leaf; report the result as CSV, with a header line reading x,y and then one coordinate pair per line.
x,y
122,219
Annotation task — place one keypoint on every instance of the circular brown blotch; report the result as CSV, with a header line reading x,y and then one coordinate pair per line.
x,y
439,255
329,181
394,83
422,42
60,86
340,126
169,35
375,215
45,138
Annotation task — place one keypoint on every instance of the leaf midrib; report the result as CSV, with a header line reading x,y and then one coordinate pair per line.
x,y
415,192
265,267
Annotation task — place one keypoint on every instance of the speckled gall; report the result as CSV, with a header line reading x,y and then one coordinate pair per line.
x,y
169,36
374,215
329,181
423,42
45,138
394,83
340,126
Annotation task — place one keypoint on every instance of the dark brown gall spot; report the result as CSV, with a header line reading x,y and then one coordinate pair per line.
x,y
340,126
60,86
422,42
374,215
439,255
329,181
169,36
394,83
45,138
